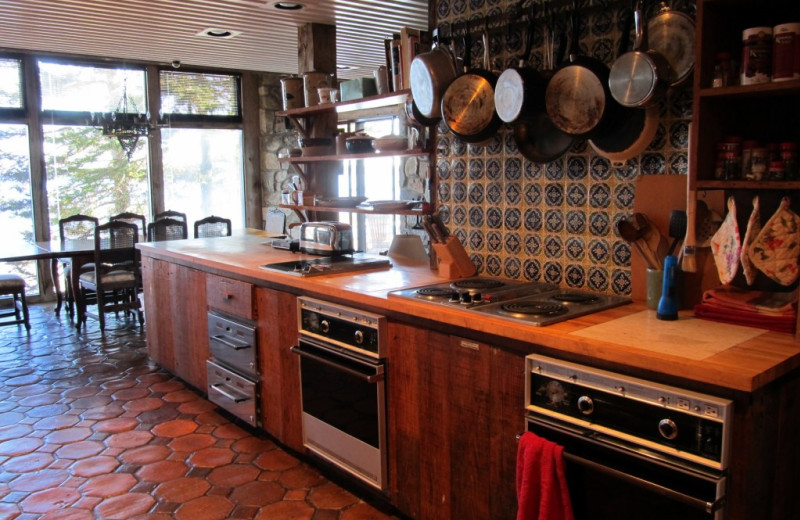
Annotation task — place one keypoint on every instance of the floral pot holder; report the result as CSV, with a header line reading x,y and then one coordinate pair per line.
x,y
776,248
726,245
753,229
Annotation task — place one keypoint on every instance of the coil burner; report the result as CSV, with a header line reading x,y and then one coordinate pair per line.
x,y
532,308
575,297
475,284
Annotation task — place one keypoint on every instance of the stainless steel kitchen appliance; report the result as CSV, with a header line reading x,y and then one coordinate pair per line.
x,y
633,448
534,303
330,264
342,367
232,371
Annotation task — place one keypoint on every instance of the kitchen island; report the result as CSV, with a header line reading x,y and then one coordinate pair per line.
x,y
435,386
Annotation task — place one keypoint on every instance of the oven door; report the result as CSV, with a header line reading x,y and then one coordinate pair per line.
x,y
609,480
343,401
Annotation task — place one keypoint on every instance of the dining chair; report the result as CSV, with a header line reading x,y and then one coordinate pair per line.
x,y
166,229
74,227
132,218
212,226
116,277
177,215
14,285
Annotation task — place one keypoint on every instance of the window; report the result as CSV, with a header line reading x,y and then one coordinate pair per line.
x,y
84,88
11,83
199,94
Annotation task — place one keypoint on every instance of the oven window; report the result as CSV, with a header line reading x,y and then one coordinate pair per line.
x,y
342,400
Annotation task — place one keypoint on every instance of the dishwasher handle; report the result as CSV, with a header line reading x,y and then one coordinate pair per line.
x,y
369,378
234,345
218,387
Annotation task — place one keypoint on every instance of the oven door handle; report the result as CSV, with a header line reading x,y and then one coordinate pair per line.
x,y
227,343
708,507
236,399
374,378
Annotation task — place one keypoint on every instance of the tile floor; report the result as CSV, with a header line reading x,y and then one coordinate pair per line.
x,y
89,428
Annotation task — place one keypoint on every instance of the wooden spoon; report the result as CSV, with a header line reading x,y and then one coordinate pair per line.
x,y
631,234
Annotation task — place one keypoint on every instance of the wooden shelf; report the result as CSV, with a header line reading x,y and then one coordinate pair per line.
x,y
779,88
382,100
353,156
331,209
747,185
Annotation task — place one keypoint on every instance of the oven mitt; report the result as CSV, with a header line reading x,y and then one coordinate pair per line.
x,y
726,245
776,248
753,229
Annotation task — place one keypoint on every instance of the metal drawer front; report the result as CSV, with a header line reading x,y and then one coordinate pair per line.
x,y
232,392
233,344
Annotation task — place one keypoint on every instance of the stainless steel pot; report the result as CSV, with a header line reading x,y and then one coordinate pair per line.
x,y
430,74
671,34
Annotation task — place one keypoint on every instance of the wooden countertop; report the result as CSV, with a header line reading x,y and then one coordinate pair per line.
x,y
623,337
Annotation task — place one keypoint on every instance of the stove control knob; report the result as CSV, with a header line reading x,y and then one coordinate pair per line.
x,y
585,405
455,297
325,326
466,297
477,297
359,337
668,429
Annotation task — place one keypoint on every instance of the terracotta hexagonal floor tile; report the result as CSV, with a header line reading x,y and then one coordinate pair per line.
x,y
129,439
330,496
153,377
233,475
258,493
79,450
72,513
104,412
182,489
80,391
50,500
229,431
128,394
302,476
94,466
125,506
143,405
145,454
108,485
8,418
14,431
197,406
44,479
181,396
68,435
192,442
253,445
56,423
175,428
205,508
162,471
154,516
210,418
276,461
286,511
363,511
16,447
166,387
28,463
118,425
211,457
38,400
95,401
27,390
9,510
118,384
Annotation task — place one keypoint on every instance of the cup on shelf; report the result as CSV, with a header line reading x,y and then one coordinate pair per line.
x,y
328,95
305,198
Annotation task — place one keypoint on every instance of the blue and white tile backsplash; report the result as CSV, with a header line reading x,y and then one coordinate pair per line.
x,y
551,222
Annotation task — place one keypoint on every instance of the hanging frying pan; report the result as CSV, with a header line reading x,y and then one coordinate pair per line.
x,y
671,34
519,92
577,99
537,138
429,75
640,77
634,128
468,108
413,113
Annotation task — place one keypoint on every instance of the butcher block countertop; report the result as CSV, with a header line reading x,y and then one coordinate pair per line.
x,y
725,356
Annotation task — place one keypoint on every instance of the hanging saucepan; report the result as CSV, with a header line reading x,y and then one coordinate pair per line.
x,y
468,103
430,74
671,34
519,92
537,138
577,99
413,113
634,128
640,77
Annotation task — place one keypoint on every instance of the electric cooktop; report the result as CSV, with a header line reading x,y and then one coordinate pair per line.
x,y
336,264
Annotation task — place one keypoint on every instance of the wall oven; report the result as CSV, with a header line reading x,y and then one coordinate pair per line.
x,y
343,388
633,448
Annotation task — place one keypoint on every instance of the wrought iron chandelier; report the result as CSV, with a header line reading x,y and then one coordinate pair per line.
x,y
127,125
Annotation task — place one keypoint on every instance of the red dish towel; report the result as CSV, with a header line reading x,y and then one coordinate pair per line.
x,y
542,492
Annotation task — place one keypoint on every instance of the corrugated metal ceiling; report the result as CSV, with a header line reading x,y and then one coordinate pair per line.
x,y
167,30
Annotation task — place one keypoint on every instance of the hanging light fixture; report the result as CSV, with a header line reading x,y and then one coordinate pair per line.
x,y
126,123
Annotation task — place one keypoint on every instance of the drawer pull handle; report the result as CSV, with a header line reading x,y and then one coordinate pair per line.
x,y
234,346
236,399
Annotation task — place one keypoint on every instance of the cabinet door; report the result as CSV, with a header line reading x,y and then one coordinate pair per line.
x,y
279,367
175,310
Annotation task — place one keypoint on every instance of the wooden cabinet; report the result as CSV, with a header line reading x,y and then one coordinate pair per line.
x,y
230,296
176,317
455,407
279,367
766,112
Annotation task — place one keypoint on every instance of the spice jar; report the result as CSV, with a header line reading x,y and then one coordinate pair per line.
x,y
731,166
747,158
724,70
788,151
759,160
777,171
